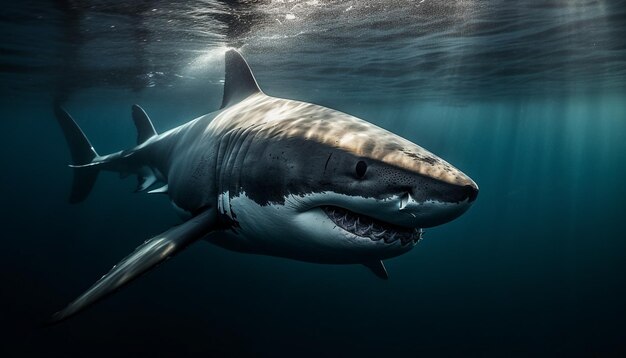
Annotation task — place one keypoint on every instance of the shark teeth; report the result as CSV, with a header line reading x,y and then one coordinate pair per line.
x,y
375,230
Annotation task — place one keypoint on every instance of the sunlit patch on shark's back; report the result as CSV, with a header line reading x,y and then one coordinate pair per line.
x,y
276,118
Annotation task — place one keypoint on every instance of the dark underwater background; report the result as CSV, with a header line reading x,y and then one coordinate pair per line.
x,y
526,97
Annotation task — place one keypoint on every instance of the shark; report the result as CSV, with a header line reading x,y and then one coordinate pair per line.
x,y
273,176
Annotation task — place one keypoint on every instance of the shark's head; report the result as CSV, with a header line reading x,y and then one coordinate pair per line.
x,y
320,185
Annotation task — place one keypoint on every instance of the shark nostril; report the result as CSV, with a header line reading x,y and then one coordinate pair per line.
x,y
471,192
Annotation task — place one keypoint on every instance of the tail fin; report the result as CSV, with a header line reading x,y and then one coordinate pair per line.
x,y
145,129
82,153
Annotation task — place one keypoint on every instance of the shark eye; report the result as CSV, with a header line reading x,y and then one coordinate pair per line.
x,y
361,168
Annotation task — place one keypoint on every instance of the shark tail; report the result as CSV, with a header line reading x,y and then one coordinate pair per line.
x,y
82,153
87,163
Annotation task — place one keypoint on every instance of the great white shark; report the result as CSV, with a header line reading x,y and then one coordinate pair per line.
x,y
278,177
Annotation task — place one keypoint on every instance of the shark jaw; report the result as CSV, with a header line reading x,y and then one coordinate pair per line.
x,y
324,227
371,228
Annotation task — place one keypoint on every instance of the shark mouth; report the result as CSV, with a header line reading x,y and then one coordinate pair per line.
x,y
374,229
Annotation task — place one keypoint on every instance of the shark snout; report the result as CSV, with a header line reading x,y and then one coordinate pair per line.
x,y
466,193
471,191
435,203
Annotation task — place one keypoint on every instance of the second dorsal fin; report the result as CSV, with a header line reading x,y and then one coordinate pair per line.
x,y
239,82
145,128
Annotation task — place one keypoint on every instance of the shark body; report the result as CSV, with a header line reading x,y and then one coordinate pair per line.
x,y
276,177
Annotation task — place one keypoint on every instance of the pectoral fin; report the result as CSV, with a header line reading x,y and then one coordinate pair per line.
x,y
145,257
378,268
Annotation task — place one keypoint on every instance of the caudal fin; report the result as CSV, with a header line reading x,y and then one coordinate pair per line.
x,y
82,154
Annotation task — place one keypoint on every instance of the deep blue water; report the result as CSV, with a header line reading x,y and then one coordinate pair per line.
x,y
527,99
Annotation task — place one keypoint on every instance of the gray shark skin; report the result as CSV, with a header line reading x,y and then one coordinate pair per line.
x,y
275,177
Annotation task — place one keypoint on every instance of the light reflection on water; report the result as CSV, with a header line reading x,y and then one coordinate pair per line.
x,y
392,49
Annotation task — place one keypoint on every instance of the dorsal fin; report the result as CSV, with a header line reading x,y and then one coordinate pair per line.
x,y
145,129
239,82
